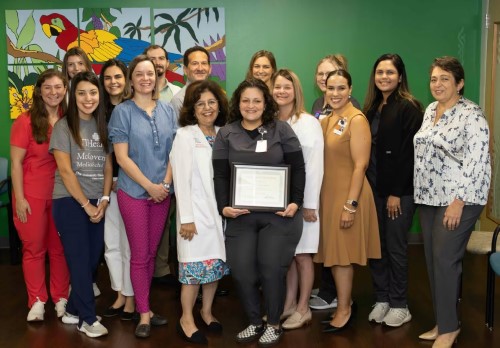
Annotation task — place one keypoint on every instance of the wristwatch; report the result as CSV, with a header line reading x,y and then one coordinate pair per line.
x,y
165,185
104,198
352,202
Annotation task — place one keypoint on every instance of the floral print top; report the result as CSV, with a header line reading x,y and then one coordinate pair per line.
x,y
452,157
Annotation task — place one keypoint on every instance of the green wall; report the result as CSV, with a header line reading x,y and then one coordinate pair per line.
x,y
301,32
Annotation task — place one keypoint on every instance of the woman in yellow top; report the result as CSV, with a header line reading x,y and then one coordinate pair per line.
x,y
349,228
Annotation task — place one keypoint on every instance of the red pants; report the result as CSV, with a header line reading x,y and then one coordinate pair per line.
x,y
39,237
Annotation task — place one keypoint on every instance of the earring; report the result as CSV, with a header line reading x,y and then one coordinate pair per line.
x,y
349,96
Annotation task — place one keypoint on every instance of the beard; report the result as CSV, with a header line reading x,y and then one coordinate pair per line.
x,y
160,71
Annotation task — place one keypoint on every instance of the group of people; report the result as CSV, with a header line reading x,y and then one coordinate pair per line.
x,y
102,171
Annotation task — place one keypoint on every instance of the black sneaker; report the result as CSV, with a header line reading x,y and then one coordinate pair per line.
x,y
270,337
250,333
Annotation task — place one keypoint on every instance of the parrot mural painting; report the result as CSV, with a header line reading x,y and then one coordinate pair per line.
x,y
38,40
100,45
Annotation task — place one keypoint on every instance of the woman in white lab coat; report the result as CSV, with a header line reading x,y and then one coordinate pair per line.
x,y
200,239
287,92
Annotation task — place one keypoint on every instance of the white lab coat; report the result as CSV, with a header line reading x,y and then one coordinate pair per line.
x,y
191,160
310,135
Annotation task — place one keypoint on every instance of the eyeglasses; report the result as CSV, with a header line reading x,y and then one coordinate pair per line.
x,y
212,103
323,74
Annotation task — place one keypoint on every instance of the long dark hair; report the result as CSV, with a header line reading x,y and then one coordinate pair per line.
x,y
374,96
271,108
99,115
38,111
108,107
193,92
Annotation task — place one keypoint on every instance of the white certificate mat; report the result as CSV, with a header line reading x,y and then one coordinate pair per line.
x,y
259,187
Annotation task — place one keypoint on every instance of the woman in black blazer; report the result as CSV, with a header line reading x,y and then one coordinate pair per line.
x,y
395,116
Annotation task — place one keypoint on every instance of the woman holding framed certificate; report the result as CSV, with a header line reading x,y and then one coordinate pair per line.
x,y
287,92
260,245
349,228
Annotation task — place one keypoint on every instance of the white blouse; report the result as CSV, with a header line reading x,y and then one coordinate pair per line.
x,y
452,157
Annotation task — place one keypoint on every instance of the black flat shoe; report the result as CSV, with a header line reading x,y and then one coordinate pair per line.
x,y
157,320
197,337
127,316
333,329
112,312
214,327
143,330
328,318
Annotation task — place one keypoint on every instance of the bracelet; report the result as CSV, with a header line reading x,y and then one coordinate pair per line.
x,y
84,205
350,211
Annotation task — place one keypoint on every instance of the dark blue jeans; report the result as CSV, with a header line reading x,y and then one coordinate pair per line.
x,y
83,242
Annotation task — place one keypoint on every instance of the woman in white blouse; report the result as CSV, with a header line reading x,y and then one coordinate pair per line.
x,y
452,178
287,92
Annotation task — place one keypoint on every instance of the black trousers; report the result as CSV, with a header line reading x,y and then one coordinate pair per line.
x,y
390,273
444,252
260,248
327,289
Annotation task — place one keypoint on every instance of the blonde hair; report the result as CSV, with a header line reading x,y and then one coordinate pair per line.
x,y
298,104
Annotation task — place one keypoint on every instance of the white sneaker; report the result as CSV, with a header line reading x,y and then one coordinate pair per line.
x,y
378,312
94,330
318,303
97,292
397,317
37,311
71,319
61,307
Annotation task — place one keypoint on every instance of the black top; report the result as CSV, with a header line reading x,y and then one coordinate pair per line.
x,y
116,167
399,121
235,144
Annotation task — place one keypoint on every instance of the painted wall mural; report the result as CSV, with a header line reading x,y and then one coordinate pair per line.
x,y
38,39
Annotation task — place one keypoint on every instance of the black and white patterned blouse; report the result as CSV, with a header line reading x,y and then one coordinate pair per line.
x,y
452,157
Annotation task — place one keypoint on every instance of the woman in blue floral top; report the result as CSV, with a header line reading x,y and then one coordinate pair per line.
x,y
452,178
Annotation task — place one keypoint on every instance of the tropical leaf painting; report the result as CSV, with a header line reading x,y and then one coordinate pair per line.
x,y
38,40
179,29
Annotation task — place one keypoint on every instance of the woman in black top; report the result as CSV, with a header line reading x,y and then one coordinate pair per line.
x,y
395,116
259,245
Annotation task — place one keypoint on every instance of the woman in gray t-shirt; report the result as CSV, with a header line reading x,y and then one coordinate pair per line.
x,y
81,195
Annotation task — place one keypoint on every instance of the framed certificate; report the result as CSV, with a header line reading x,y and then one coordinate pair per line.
x,y
260,187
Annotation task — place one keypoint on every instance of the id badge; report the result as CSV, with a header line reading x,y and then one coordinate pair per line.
x,y
340,126
261,146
